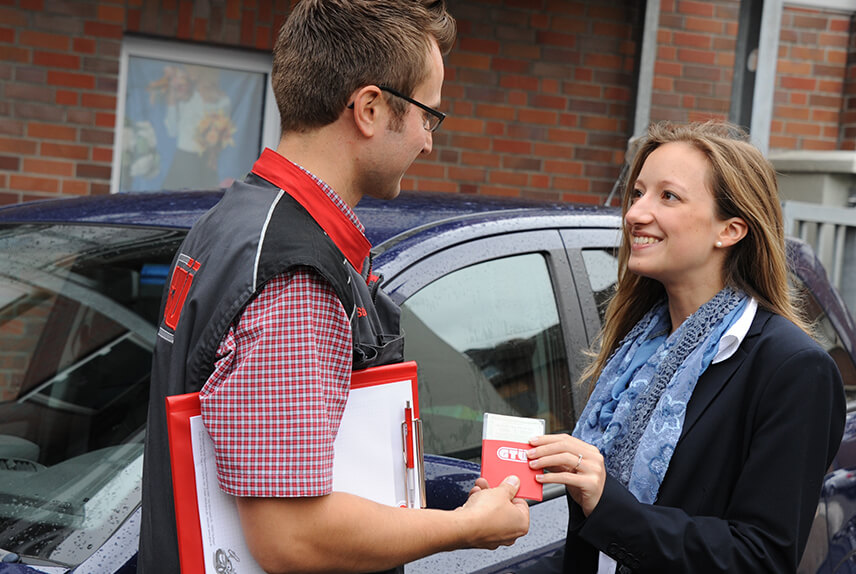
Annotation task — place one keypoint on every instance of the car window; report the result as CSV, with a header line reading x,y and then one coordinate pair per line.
x,y
487,338
78,307
602,272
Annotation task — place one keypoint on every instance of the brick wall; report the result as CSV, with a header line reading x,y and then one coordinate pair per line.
x,y
810,85
541,92
695,59
848,115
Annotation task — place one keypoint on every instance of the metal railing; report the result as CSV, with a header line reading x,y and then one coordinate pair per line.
x,y
825,229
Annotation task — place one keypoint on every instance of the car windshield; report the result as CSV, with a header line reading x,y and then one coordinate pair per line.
x,y
78,308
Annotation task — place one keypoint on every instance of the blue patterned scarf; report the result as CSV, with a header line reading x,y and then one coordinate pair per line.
x,y
636,413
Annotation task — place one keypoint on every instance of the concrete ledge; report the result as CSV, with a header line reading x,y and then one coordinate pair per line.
x,y
804,161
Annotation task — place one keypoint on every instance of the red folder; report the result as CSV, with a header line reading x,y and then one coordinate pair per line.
x,y
179,410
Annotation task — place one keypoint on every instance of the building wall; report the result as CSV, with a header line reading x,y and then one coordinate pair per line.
x,y
541,92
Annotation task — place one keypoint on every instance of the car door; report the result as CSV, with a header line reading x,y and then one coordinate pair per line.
x,y
495,325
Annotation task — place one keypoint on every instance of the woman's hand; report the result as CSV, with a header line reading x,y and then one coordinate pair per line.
x,y
572,462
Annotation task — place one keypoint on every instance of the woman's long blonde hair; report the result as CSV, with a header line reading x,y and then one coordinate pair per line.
x,y
744,185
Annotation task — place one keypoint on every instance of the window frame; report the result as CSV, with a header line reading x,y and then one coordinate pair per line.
x,y
190,53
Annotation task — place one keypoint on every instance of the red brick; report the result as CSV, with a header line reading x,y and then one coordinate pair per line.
x,y
510,65
569,25
104,154
696,56
105,120
495,112
517,98
55,60
75,187
18,146
836,57
582,90
567,136
460,108
796,83
29,93
546,150
233,9
466,174
469,60
508,178
480,159
425,169
7,35
66,98
98,101
570,183
521,163
14,54
544,101
470,142
516,82
102,30
556,39
792,68
68,151
48,167
799,128
807,53
699,41
793,112
38,130
134,19
537,117
479,45
668,69
695,8
71,80
512,146
43,40
199,31
456,124
703,25
108,13
563,167
9,163
29,183
83,45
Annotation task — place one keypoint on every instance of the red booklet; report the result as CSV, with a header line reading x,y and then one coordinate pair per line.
x,y
505,440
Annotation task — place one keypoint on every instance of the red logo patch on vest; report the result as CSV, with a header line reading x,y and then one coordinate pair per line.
x,y
179,287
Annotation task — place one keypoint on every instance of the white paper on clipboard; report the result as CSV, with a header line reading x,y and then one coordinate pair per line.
x,y
369,447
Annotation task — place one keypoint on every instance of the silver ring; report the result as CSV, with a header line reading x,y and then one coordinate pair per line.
x,y
579,462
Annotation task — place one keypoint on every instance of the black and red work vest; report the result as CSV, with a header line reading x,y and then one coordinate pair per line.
x,y
276,219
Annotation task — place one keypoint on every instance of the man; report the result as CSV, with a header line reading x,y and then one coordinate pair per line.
x,y
272,303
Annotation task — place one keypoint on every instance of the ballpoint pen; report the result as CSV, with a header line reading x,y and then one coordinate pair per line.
x,y
409,461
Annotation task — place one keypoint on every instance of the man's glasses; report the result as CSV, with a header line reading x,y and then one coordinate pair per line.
x,y
431,118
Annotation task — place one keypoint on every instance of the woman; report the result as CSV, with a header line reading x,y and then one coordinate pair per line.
x,y
714,415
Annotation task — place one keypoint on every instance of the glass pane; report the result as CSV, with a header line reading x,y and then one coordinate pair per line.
x,y
487,338
602,268
78,308
188,126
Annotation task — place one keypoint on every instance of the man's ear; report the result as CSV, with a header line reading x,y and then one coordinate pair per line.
x,y
366,104
733,231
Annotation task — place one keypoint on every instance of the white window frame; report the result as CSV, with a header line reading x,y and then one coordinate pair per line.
x,y
186,53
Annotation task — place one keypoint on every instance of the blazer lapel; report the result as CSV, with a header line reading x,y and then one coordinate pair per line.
x,y
714,379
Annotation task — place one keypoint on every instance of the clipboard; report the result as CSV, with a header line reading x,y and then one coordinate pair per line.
x,y
209,533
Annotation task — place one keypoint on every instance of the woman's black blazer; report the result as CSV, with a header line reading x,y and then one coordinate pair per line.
x,y
742,487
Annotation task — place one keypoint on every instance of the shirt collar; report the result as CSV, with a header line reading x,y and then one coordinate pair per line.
x,y
735,334
334,216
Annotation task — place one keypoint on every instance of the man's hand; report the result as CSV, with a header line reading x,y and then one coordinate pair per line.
x,y
495,517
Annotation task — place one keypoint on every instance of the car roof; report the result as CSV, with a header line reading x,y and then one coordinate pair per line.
x,y
383,220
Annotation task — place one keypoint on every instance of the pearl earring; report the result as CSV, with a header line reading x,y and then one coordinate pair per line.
x,y
719,243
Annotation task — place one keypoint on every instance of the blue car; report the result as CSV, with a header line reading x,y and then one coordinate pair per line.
x,y
498,300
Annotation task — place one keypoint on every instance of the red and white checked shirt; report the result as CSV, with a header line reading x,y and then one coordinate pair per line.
x,y
280,384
